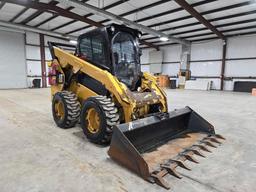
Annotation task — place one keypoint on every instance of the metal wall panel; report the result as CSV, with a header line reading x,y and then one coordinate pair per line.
x,y
12,60
172,53
206,50
241,68
32,38
205,68
156,60
34,68
33,52
241,47
171,69
145,56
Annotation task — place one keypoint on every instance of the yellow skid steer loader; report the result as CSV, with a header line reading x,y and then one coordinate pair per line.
x,y
101,84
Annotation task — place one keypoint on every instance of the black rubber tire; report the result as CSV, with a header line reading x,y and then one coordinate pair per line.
x,y
108,115
72,109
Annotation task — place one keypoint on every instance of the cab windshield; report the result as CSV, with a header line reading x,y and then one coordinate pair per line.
x,y
125,57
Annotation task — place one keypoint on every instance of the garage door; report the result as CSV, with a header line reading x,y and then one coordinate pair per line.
x,y
12,60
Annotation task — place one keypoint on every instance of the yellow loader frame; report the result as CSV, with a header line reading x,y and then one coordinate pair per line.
x,y
119,92
150,144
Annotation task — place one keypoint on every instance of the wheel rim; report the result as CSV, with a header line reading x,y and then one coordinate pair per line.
x,y
93,119
59,109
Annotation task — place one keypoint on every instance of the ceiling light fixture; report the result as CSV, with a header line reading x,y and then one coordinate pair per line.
x,y
164,39
74,42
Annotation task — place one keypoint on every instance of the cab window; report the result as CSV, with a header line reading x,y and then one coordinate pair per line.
x,y
92,49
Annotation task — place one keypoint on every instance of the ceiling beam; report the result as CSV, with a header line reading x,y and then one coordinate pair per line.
x,y
120,20
33,29
204,28
90,14
54,16
210,33
223,31
18,15
210,20
55,9
144,8
238,5
36,14
46,20
61,12
70,22
211,38
174,10
217,26
51,18
31,17
124,14
199,17
139,9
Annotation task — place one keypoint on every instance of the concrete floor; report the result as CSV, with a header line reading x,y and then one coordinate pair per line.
x,y
38,156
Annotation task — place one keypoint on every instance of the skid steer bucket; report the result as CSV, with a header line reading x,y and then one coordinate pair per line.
x,y
154,146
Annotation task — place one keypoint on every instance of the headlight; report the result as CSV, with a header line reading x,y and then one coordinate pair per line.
x,y
112,28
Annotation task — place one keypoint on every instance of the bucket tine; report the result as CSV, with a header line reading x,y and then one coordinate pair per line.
x,y
180,164
190,158
212,139
208,143
196,152
160,180
162,144
219,136
202,147
170,170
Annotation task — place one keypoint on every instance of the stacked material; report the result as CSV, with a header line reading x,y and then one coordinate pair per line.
x,y
198,85
254,92
163,80
182,81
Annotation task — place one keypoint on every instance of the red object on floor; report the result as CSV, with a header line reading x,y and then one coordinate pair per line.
x,y
254,92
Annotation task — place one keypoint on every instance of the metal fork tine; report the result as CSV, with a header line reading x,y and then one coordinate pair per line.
x,y
190,158
160,181
219,136
208,143
196,152
202,147
180,164
171,170
212,139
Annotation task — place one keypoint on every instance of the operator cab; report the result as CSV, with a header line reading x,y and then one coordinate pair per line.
x,y
114,48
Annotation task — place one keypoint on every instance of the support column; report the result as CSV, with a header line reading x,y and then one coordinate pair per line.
x,y
185,57
223,64
184,73
43,66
